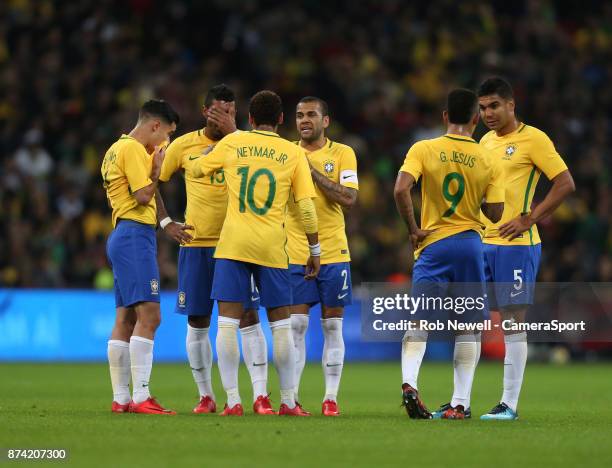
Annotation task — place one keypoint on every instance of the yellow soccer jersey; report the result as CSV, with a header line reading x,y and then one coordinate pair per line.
x,y
339,164
125,169
458,174
523,155
206,196
261,170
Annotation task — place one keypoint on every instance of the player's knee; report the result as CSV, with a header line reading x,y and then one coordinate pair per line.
x,y
198,321
331,325
299,324
249,318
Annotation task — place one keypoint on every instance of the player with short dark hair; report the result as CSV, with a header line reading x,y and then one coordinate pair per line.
x,y
512,246
333,167
206,207
261,170
130,176
456,176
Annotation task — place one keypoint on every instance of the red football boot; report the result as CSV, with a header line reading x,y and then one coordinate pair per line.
x,y
206,405
119,408
235,410
150,406
263,406
330,408
284,410
458,412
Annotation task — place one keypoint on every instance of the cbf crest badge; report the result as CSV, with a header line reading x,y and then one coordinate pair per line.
x,y
154,286
328,167
510,150
181,299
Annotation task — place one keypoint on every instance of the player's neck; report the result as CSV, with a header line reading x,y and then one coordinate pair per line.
x,y
138,134
459,129
265,128
315,145
510,127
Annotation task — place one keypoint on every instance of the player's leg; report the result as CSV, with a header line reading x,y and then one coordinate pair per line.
x,y
516,268
335,289
304,295
230,288
118,352
275,294
195,274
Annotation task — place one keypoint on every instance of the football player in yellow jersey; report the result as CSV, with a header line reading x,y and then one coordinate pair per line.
x,y
206,207
457,175
261,171
512,247
130,176
334,171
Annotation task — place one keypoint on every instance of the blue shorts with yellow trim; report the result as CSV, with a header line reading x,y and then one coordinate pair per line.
x,y
131,249
196,268
511,272
332,287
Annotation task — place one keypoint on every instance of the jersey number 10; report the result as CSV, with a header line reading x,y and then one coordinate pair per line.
x,y
247,190
453,198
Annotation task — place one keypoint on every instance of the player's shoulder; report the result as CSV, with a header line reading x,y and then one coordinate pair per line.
x,y
187,138
487,137
340,148
126,143
426,144
534,134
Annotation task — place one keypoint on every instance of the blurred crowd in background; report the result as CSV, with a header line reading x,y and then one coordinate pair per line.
x,y
73,75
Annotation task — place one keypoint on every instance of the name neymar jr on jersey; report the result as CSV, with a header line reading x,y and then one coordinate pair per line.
x,y
468,160
260,152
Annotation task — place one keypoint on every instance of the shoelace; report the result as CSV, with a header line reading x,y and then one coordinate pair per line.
x,y
500,408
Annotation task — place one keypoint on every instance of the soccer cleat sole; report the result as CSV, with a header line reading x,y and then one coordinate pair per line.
x,y
414,410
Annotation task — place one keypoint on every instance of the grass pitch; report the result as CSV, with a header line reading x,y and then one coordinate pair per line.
x,y
566,415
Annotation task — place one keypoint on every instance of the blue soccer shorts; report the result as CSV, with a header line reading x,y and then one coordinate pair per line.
x,y
332,287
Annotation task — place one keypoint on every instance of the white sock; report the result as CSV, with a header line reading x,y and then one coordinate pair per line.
x,y
514,367
333,356
141,355
228,356
413,350
478,351
284,359
199,353
464,364
119,363
299,325
255,351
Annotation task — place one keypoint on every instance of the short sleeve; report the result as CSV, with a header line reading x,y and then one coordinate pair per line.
x,y
136,166
172,161
348,169
496,190
545,157
301,181
413,164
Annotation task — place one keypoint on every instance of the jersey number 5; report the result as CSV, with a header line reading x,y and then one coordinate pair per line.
x,y
453,198
247,190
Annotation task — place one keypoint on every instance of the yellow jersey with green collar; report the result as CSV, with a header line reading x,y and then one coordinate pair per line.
x,y
126,168
338,163
261,171
206,196
456,174
523,155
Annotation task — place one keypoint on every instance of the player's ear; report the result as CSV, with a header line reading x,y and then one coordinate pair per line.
x,y
251,121
445,117
281,119
475,118
511,105
325,121
204,111
156,124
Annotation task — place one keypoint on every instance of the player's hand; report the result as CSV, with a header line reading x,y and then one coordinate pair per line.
x,y
419,236
223,118
515,227
158,158
208,149
178,232
313,265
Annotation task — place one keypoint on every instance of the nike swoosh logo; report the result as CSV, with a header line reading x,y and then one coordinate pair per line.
x,y
342,296
254,298
513,294
333,365
346,177
258,364
145,385
191,158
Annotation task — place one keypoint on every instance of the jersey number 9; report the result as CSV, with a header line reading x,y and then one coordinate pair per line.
x,y
453,198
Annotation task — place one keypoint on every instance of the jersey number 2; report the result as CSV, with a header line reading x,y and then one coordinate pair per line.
x,y
453,198
247,190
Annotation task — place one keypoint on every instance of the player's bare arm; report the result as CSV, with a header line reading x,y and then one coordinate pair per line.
x,y
145,194
174,230
344,196
493,211
563,185
403,200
